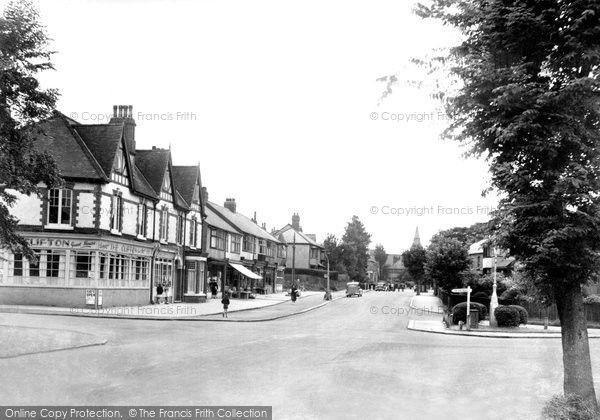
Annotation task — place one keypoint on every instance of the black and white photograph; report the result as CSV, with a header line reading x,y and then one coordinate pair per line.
x,y
283,210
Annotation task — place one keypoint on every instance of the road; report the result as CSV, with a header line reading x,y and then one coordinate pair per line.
x,y
341,361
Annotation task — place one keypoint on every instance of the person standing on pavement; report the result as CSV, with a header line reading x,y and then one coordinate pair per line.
x,y
159,292
213,289
294,293
225,302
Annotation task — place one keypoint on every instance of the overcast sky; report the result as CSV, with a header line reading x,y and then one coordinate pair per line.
x,y
277,102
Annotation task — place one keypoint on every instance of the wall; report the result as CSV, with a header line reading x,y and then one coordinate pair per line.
x,y
70,297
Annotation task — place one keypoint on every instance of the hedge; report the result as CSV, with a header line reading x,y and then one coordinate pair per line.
x,y
570,407
480,295
459,312
507,316
523,315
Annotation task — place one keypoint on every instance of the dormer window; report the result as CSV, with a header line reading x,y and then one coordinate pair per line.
x,y
166,191
119,173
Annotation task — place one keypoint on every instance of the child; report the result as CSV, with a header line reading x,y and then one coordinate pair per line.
x,y
225,302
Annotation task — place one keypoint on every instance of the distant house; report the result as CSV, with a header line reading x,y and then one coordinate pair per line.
x,y
302,248
393,270
482,258
373,269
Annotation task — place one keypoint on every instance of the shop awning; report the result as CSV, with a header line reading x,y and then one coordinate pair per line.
x,y
245,271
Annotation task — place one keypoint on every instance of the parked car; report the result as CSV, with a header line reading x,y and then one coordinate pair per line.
x,y
353,289
381,286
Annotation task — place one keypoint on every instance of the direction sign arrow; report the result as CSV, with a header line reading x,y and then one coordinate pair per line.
x,y
460,290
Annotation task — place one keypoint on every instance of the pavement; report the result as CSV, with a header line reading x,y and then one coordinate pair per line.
x,y
427,303
212,309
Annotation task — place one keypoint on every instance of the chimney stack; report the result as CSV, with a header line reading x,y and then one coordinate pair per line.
x,y
254,218
230,204
296,222
123,114
264,226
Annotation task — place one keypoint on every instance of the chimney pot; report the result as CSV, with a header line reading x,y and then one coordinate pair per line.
x,y
230,204
114,111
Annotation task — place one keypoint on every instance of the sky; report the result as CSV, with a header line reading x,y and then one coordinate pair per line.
x,y
280,105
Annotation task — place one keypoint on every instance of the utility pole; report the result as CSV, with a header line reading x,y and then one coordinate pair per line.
x,y
294,261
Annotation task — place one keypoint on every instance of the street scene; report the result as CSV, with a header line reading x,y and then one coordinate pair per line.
x,y
311,360
233,209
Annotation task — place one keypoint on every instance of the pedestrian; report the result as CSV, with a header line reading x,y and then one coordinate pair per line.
x,y
225,302
213,289
159,292
293,294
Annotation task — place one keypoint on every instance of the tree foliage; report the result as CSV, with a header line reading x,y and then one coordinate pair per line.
x,y
465,235
23,54
527,100
447,259
355,245
414,261
380,256
334,252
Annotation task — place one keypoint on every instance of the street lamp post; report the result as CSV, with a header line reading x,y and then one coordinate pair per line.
x,y
328,292
494,299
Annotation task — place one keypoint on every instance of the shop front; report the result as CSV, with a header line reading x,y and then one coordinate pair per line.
x,y
72,270
195,278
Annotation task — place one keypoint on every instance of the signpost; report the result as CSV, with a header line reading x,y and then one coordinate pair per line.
x,y
466,290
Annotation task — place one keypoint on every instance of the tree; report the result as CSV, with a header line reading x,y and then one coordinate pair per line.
x,y
334,252
23,54
447,259
465,235
527,100
414,261
380,256
355,245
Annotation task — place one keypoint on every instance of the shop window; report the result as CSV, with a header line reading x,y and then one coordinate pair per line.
x,y
34,267
53,265
82,265
141,269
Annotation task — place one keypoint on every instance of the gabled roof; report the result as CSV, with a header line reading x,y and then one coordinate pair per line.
x,y
241,222
216,220
288,234
184,178
179,201
140,184
153,164
103,141
57,137
477,247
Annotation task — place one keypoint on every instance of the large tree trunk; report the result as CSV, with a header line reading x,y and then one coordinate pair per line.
x,y
577,365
